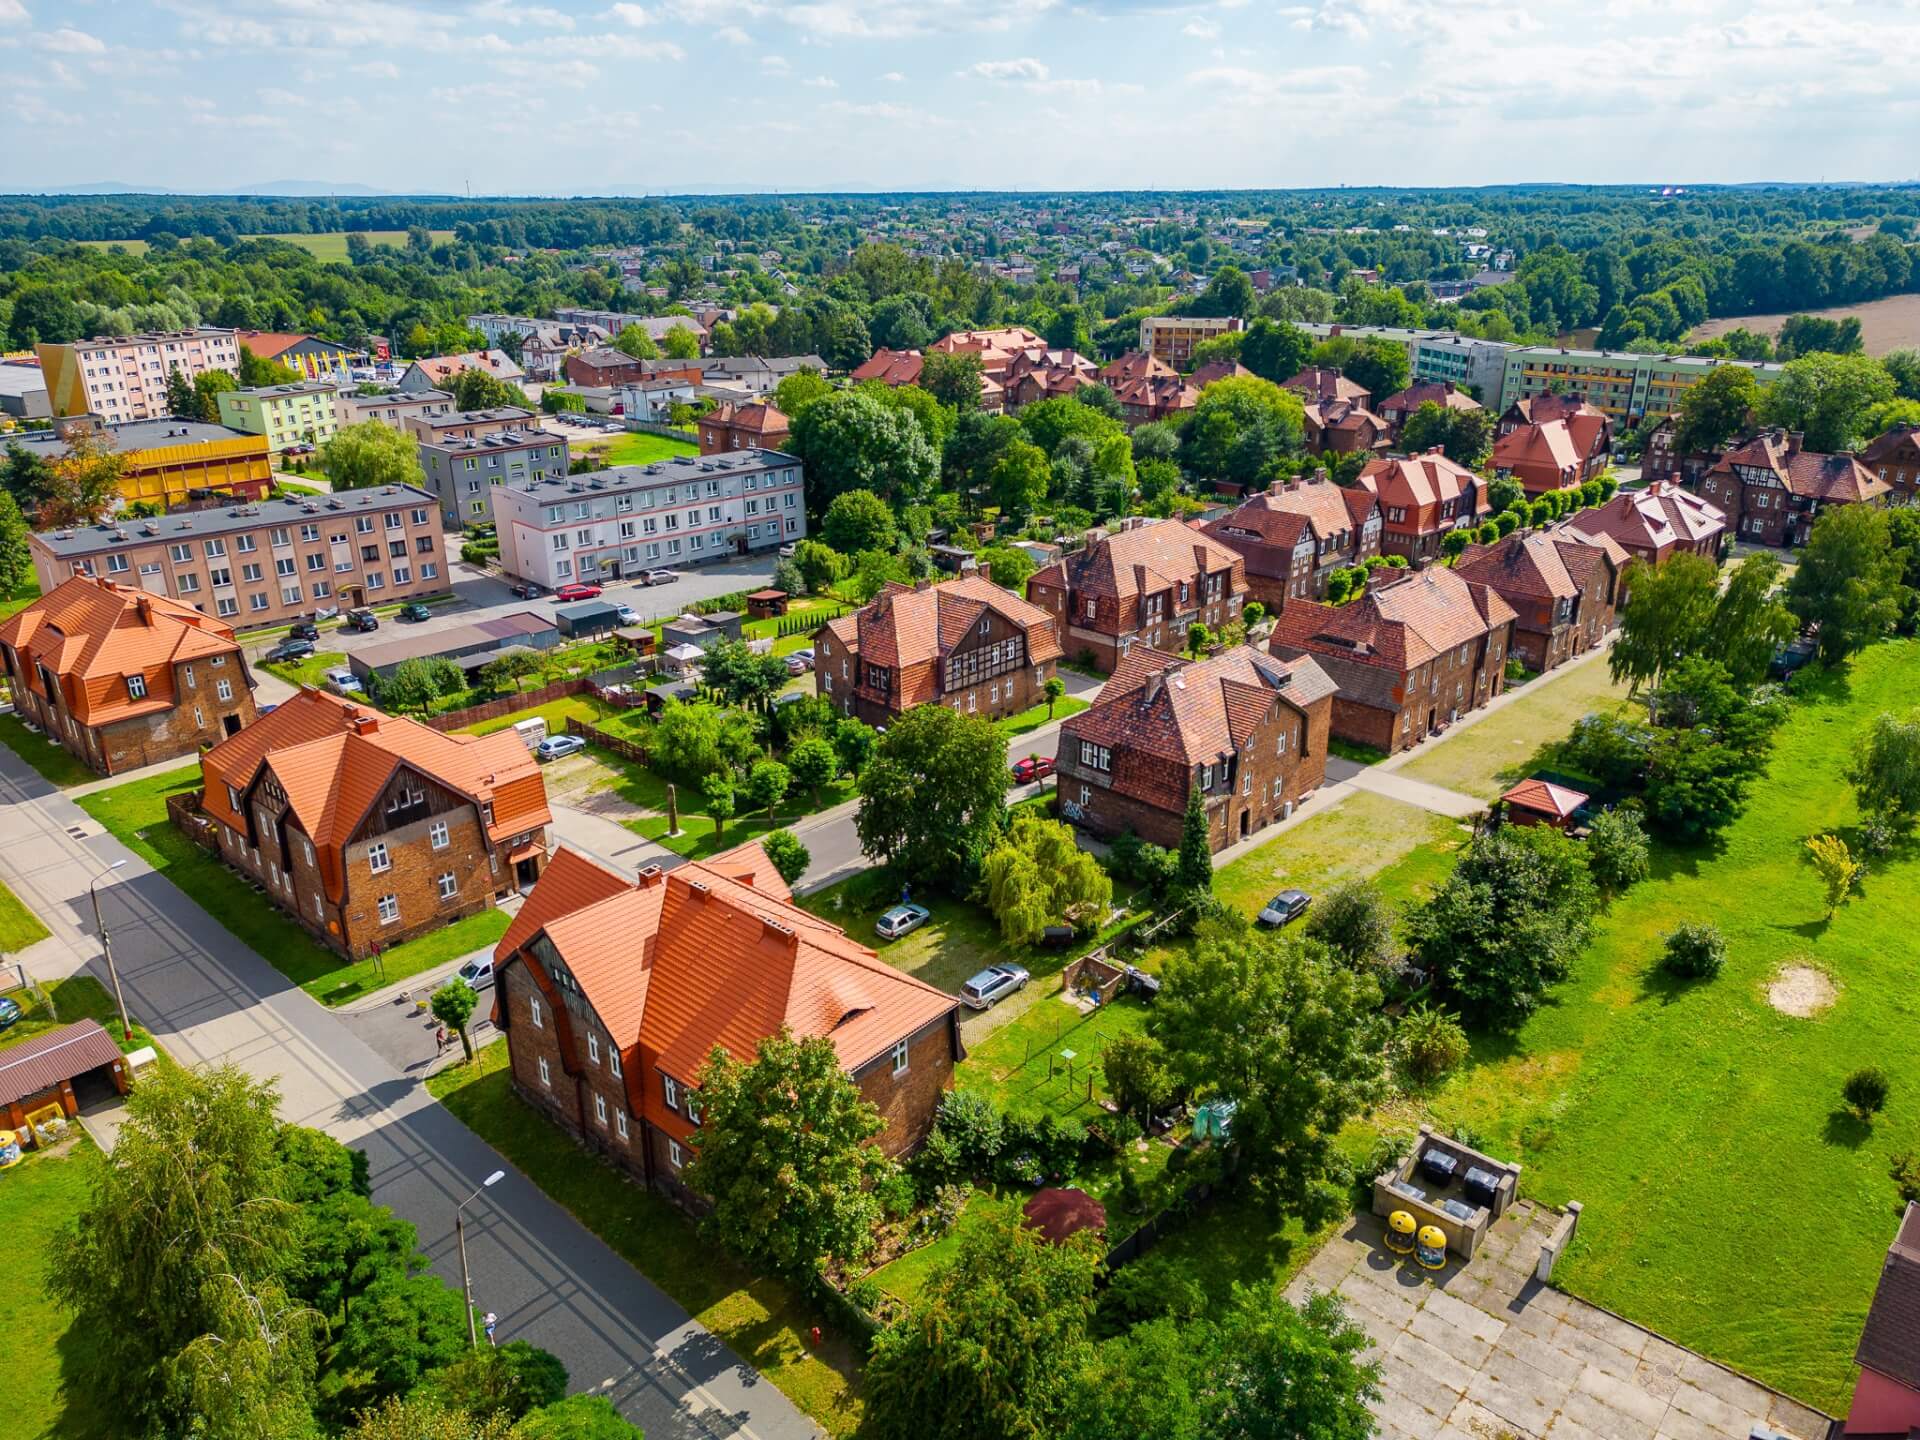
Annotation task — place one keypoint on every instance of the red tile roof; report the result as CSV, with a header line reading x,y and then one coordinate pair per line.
x,y
43,1062
1807,473
1316,383
92,634
1142,559
890,367
1398,627
905,627
1545,798
1427,392
1542,564
757,418
1539,448
1135,365
1538,409
1654,518
1417,480
1283,514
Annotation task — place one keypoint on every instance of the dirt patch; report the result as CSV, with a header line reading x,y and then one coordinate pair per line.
x,y
1801,991
1892,323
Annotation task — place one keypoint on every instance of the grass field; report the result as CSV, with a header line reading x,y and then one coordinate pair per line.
x,y
759,1318
332,244
54,764
61,1002
638,448
132,247
137,814
1495,751
21,596
1027,721
37,1198
310,671
19,926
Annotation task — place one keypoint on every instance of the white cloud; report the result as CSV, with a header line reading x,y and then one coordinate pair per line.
x,y
12,12
572,74
68,41
823,82
732,35
379,70
1201,28
894,77
1026,68
634,15
281,97
777,64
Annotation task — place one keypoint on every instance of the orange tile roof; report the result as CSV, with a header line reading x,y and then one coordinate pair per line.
x,y
333,758
1654,518
1398,626
268,344
903,627
92,634
1317,383
1548,446
1283,514
1417,480
758,417
1135,365
1142,560
890,367
1545,797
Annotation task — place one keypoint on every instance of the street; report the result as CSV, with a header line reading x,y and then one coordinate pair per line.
x,y
208,998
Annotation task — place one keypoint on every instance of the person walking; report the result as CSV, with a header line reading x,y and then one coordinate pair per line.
x,y
491,1321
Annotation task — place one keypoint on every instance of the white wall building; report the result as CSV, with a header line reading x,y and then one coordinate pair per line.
x,y
653,400
607,524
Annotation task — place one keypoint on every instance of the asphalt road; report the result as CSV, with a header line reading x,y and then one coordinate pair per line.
x,y
206,997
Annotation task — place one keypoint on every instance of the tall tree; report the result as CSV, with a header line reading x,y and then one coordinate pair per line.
x,y
635,340
1849,581
84,484
255,371
1196,844
1292,1038
1669,608
934,794
1826,397
1019,480
859,520
208,387
783,1151
16,554
954,380
181,403
680,343
370,454
1750,622
851,441
452,1006
1717,409
1039,876
1885,769
1378,366
799,390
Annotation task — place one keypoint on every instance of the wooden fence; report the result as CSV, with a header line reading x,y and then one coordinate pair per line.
x,y
183,809
593,734
507,704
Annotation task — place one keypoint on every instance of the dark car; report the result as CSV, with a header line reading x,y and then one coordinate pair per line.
x,y
304,630
362,620
1284,908
1034,767
290,650
9,1013
415,612
1057,937
527,590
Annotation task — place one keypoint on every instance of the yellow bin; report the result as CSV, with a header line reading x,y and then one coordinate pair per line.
x,y
1400,1228
1431,1247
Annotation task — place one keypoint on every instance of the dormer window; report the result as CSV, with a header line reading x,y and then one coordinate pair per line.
x,y
137,686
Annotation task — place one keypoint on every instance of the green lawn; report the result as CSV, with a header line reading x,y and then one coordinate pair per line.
x,y
1498,749
19,926
907,1276
758,1317
1024,1065
37,1198
132,247
310,671
61,1002
21,596
1027,721
638,448
331,245
54,763
137,814
1702,1128
554,712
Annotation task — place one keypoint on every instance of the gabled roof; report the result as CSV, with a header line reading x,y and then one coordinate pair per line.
x,y
890,367
1205,375
1899,440
1537,409
1428,392
1541,564
1890,1340
1162,707
333,758
1545,798
497,363
1397,627
1139,560
757,418
907,626
1550,444
716,953
1283,514
1654,518
1135,365
1417,480
1807,473
92,633
1319,383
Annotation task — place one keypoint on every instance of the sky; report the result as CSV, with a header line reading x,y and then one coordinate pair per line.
x,y
670,96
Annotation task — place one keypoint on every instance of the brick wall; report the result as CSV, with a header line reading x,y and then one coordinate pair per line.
x,y
414,880
908,1102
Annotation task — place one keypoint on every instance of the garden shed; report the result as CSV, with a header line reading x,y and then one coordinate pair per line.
x,y
55,1068
765,604
588,618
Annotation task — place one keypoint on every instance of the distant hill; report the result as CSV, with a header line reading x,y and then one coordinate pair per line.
x,y
293,189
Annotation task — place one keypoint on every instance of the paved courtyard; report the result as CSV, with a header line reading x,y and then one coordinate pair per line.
x,y
1485,1352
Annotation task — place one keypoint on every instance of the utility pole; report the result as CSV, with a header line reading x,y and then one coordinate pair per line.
x,y
106,950
460,1236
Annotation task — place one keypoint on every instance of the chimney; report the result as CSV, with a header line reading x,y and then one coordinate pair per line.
x,y
143,607
365,724
1154,682
649,876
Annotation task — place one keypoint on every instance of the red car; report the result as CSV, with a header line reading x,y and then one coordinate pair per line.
x,y
1034,767
577,591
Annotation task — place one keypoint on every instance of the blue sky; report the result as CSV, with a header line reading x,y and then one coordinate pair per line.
x,y
664,95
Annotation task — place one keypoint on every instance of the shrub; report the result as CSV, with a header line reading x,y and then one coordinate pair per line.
x,y
975,1126
1150,1288
1905,1173
1387,1153
1121,1130
894,1191
1356,923
936,1163
1695,951
1866,1091
1428,1043
1617,850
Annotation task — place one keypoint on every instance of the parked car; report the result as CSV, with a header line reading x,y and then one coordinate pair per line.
x,y
797,666
788,550
901,919
577,591
414,612
629,615
289,650
804,655
992,984
344,682
1057,937
555,746
478,973
1034,767
9,1013
304,630
361,621
1287,906
659,577
527,590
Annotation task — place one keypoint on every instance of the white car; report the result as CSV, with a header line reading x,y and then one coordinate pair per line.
x,y
478,973
344,682
555,746
900,919
629,615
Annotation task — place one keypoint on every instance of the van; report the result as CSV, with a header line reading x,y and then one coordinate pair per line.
x,y
531,732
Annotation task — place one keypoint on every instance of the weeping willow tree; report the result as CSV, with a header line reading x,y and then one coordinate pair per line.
x,y
1037,876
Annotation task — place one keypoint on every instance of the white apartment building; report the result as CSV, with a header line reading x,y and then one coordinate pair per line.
x,y
122,378
607,524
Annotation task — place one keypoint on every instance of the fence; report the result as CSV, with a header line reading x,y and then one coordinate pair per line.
x,y
656,427
808,621
183,810
588,731
507,704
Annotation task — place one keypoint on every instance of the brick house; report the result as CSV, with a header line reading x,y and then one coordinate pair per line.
x,y
889,367
122,678
1551,455
1247,730
604,365
1771,490
1656,522
1409,657
1319,385
1344,427
613,992
963,642
1662,459
1135,365
1886,1400
1562,585
370,829
1544,408
742,427
1895,458
1145,399
1398,408
1293,537
1421,498
1143,584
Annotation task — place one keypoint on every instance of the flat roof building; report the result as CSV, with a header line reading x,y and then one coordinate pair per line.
x,y
462,471
393,408
303,413
522,630
124,377
168,461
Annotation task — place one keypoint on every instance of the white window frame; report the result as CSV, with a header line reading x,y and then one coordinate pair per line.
x,y
533,1012
389,909
546,1076
377,858
902,1060
670,1090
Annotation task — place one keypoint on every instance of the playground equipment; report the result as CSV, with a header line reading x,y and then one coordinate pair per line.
x,y
1400,1228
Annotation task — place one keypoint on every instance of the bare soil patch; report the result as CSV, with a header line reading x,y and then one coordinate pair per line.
x,y
1801,991
1892,323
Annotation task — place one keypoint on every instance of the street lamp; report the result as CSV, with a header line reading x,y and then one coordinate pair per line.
x,y
106,949
460,1234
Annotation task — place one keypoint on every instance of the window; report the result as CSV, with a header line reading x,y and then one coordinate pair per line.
x,y
1206,777
389,909
233,798
600,1108
215,549
279,535
533,1012
244,544
900,1058
182,554
673,1153
250,573
226,605
671,1089
613,1058
546,1077
437,832
377,857
593,1047
223,687
620,1122
137,686
449,887
1095,757
363,525
693,1106
189,584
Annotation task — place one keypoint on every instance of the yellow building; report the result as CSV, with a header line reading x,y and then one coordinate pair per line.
x,y
1172,337
167,460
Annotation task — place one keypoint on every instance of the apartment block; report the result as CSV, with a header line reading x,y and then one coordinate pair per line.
x,y
1172,338
621,521
1625,386
393,408
1476,366
463,472
123,378
469,424
303,413
169,462
265,563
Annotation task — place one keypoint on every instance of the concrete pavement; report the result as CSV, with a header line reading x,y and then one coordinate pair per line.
x,y
207,998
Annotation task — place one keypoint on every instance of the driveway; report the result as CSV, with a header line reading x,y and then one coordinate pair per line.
x,y
1483,1350
208,998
